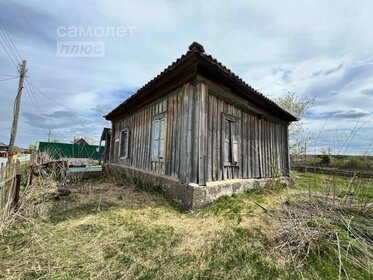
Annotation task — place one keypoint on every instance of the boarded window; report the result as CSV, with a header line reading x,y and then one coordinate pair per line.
x,y
123,147
231,141
159,126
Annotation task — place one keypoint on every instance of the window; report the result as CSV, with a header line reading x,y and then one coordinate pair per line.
x,y
123,147
230,141
158,151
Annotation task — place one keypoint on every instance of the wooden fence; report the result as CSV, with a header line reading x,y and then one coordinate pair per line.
x,y
10,181
332,171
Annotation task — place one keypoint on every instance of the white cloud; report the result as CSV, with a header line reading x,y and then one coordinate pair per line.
x,y
352,113
319,48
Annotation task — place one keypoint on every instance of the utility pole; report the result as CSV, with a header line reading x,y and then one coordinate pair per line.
x,y
49,136
17,104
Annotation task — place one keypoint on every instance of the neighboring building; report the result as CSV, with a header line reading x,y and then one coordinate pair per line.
x,y
65,150
3,150
105,136
80,141
195,127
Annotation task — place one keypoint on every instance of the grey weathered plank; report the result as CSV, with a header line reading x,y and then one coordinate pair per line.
x,y
202,92
193,138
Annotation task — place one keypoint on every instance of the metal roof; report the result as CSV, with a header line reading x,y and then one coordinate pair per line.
x,y
196,49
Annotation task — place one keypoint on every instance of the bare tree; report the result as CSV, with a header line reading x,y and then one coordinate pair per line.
x,y
298,107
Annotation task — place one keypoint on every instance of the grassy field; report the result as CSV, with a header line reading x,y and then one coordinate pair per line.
x,y
319,228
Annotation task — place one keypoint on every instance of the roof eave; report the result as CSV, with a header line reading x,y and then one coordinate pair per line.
x,y
248,91
185,62
195,57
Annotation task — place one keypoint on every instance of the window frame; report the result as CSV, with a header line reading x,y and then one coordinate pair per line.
x,y
158,118
126,156
233,140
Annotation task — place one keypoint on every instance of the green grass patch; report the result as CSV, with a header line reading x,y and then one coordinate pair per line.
x,y
110,231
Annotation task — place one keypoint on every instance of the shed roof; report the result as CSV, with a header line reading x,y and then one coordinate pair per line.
x,y
80,140
105,131
3,145
195,61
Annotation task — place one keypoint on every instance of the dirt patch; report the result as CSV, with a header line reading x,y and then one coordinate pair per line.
x,y
124,195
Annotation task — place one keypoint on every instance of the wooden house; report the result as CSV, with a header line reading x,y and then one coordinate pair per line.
x,y
105,136
199,131
80,141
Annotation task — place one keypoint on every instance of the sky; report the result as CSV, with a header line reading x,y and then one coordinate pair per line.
x,y
321,49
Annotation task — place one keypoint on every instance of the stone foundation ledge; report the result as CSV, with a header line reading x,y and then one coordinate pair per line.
x,y
191,196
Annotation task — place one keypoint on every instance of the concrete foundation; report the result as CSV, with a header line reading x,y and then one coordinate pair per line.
x,y
191,196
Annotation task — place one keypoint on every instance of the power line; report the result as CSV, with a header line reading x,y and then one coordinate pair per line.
x,y
33,98
28,80
32,102
8,79
12,53
15,64
42,93
32,93
8,44
9,47
9,39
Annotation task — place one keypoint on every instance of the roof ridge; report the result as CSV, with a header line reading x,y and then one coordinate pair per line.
x,y
198,49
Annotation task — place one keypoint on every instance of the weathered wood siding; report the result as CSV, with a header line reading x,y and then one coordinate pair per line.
x,y
262,144
194,150
140,136
180,108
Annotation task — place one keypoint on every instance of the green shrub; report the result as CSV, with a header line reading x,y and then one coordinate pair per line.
x,y
354,162
325,160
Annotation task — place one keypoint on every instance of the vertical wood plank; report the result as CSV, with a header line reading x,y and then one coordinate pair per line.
x,y
202,92
209,138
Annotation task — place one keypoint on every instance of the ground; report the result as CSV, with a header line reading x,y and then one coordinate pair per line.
x,y
108,230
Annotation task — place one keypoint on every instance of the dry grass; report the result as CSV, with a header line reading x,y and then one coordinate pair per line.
x,y
106,230
330,226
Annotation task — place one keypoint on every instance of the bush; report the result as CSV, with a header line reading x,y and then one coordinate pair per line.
x,y
325,160
354,162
